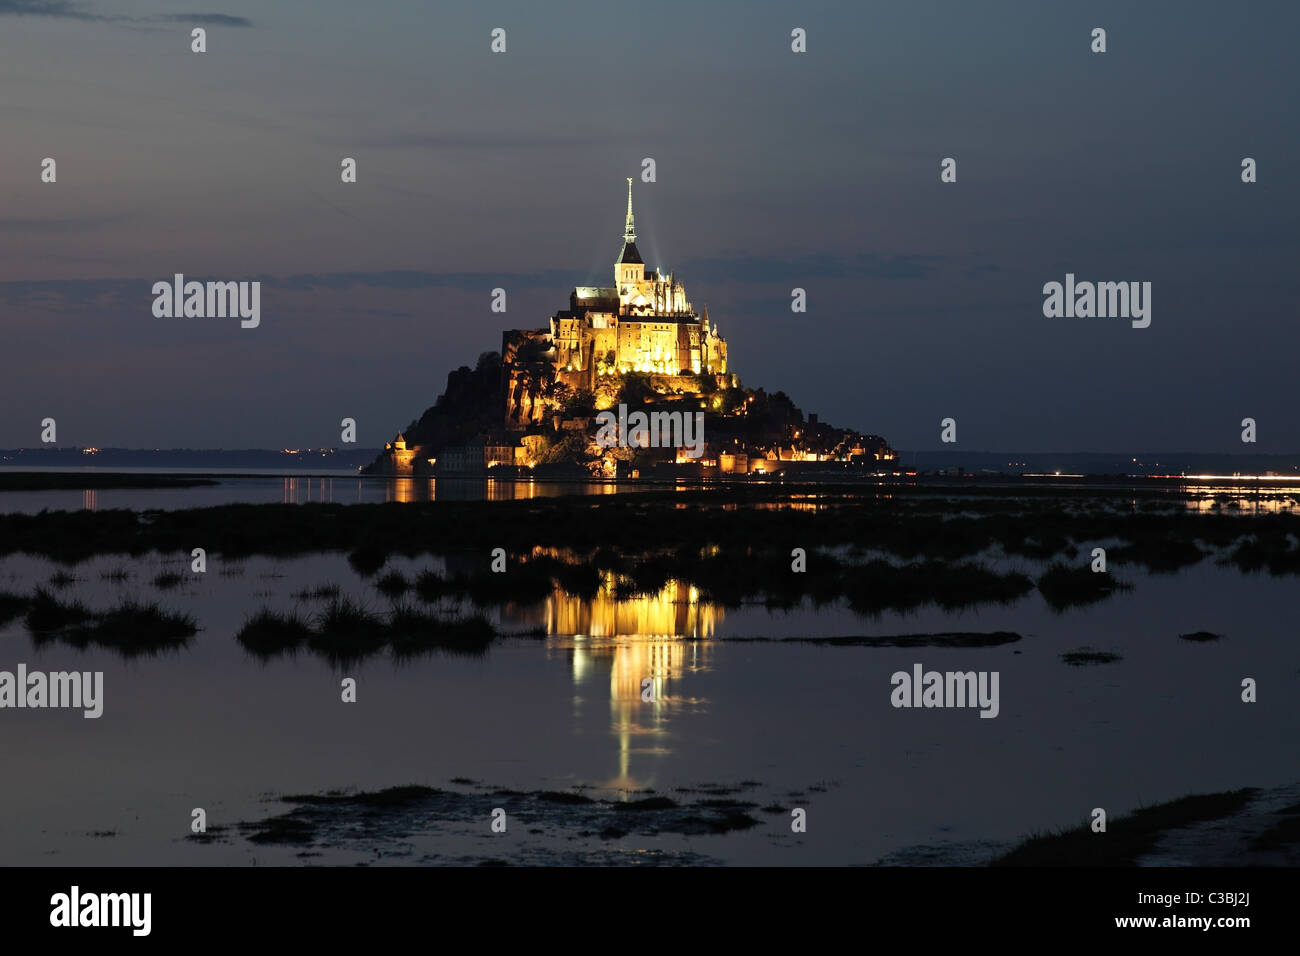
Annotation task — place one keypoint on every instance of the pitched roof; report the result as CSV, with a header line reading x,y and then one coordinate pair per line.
x,y
630,255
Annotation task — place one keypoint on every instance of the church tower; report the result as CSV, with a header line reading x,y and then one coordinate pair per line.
x,y
629,269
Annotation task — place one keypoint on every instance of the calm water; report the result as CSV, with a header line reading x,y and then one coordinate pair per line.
x,y
350,489
212,726
283,489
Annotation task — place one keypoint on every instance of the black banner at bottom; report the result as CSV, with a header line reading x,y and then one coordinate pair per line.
x,y
333,905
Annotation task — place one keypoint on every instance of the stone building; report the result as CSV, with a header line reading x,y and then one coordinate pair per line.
x,y
483,452
641,323
400,458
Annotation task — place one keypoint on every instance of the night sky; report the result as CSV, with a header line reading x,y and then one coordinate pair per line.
x,y
775,170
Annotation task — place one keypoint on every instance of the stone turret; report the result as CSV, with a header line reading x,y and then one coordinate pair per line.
x,y
399,459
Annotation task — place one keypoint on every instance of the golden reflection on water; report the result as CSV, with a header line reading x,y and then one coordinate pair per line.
x,y
645,677
676,610
510,490
297,491
1230,499
641,651
406,490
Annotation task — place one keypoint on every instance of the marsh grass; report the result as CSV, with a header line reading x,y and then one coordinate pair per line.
x,y
1126,838
412,631
1283,834
1064,587
367,560
348,631
393,584
49,616
131,627
732,544
1087,655
909,524
12,606
139,626
1276,551
322,592
269,633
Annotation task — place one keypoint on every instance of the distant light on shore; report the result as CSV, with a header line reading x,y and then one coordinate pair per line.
x,y
1278,478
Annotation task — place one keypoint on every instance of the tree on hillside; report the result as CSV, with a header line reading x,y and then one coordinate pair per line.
x,y
635,389
581,404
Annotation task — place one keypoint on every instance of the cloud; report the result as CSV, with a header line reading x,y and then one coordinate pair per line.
x,y
46,8
68,10
77,292
66,293
74,224
338,209
409,279
211,19
492,141
820,266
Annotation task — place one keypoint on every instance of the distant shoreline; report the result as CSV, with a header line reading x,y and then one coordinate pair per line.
x,y
74,480
214,475
29,478
961,463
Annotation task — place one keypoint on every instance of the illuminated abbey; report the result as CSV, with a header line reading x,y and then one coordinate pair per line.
x,y
637,343
641,323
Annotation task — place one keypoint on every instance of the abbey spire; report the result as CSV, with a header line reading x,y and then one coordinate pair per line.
x,y
641,322
629,230
629,267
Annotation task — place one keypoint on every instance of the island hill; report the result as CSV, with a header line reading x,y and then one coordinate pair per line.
x,y
636,346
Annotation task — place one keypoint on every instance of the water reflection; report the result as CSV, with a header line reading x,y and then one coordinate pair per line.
x,y
299,490
1233,500
676,610
403,490
640,650
221,489
296,491
406,490
645,677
